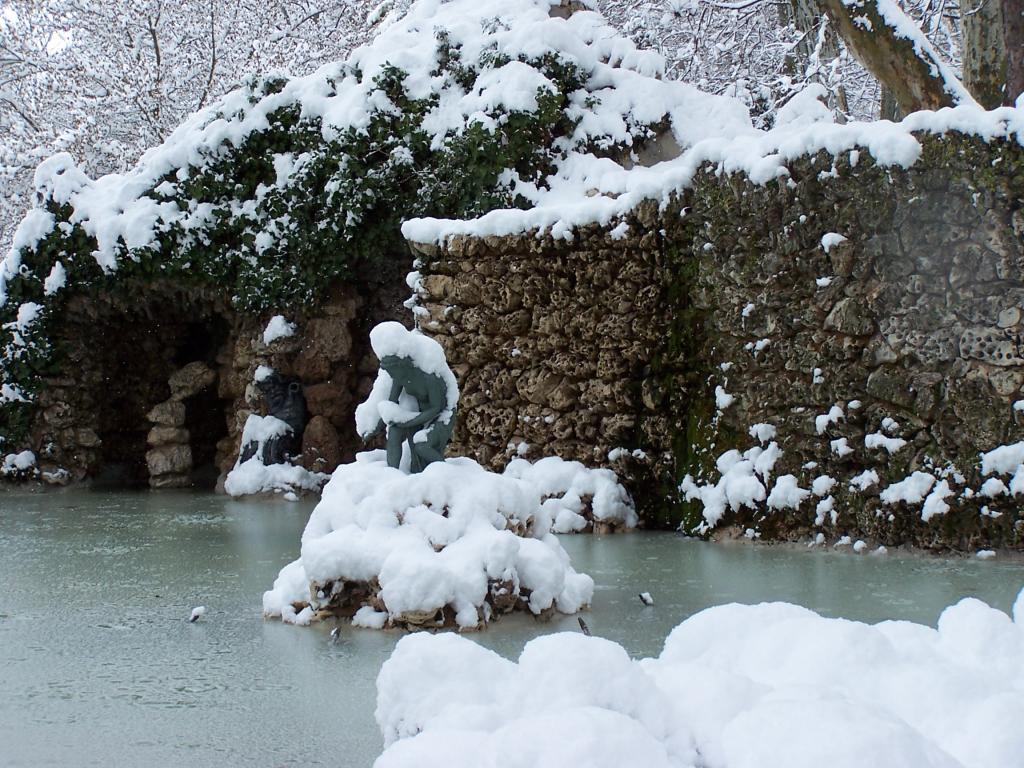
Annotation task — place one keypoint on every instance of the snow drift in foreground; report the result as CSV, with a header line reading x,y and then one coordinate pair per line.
x,y
454,543
736,686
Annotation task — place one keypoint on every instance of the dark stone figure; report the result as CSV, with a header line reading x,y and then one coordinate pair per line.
x,y
431,394
286,402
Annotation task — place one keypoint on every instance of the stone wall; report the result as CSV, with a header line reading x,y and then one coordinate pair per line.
x,y
894,296
559,348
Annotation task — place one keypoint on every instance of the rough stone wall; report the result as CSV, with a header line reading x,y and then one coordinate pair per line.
x,y
915,317
580,347
115,355
553,344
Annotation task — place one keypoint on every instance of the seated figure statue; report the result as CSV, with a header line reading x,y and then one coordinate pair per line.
x,y
413,398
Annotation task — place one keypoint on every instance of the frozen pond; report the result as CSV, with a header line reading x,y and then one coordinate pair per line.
x,y
99,665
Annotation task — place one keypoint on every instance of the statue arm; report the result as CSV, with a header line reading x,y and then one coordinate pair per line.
x,y
435,404
396,392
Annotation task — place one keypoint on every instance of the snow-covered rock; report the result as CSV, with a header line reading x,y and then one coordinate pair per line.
x,y
454,544
736,686
252,476
577,498
18,465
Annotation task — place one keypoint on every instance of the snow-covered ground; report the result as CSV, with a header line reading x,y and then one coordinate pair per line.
x,y
736,686
454,543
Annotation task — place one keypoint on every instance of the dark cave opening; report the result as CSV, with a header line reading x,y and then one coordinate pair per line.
x,y
206,424
129,356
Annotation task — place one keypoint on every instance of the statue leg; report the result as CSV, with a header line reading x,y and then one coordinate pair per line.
x,y
416,463
427,454
396,437
432,449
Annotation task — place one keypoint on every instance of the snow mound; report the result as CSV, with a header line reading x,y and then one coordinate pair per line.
x,y
17,465
454,544
566,487
736,686
278,328
585,190
253,476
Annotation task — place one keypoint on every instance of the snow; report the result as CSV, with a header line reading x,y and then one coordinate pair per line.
x,y
729,145
17,463
741,483
805,108
565,484
880,440
935,502
444,537
722,398
736,686
823,485
253,476
864,480
56,280
840,447
993,487
624,89
763,433
787,494
278,328
822,421
830,240
197,613
1003,460
911,490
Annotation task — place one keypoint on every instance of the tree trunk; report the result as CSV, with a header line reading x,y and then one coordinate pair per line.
x,y
888,109
806,15
914,74
984,51
1013,37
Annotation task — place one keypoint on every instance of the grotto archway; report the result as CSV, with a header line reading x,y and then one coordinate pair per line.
x,y
140,397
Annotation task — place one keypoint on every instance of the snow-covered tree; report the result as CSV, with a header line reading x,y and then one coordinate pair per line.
x,y
766,51
106,79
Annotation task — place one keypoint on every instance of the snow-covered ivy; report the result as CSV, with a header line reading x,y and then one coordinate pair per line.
x,y
285,185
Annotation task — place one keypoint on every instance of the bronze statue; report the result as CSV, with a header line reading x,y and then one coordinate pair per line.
x,y
426,429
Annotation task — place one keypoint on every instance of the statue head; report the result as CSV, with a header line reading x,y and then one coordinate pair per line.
x,y
285,399
399,368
